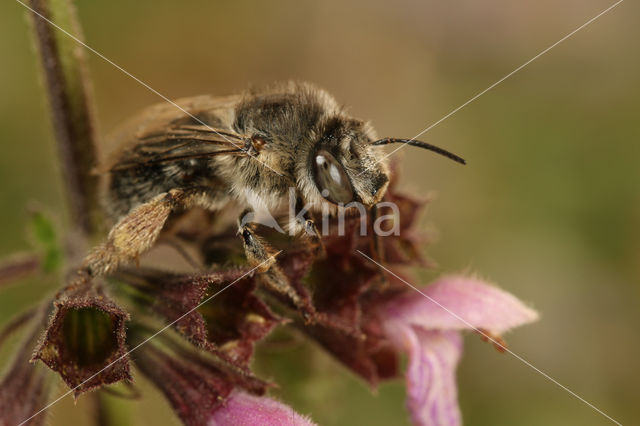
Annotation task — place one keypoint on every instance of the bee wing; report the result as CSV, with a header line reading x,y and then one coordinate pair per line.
x,y
199,128
181,143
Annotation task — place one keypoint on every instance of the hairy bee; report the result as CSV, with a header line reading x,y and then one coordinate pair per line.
x,y
249,149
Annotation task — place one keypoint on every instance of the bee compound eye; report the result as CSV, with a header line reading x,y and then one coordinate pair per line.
x,y
331,179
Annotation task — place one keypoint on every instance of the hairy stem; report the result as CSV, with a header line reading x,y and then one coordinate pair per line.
x,y
70,98
71,106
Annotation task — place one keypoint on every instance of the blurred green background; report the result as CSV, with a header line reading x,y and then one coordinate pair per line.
x,y
548,207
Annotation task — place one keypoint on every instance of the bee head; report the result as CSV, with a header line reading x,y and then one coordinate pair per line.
x,y
347,165
343,166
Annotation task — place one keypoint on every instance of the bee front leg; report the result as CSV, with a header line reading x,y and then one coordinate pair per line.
x,y
136,232
263,257
313,238
306,226
259,254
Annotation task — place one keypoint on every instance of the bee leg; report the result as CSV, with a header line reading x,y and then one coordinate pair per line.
x,y
136,232
275,280
259,254
263,256
314,238
308,229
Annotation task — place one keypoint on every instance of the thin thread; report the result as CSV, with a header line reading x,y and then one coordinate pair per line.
x,y
500,81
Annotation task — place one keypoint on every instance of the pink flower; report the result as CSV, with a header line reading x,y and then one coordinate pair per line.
x,y
427,326
243,409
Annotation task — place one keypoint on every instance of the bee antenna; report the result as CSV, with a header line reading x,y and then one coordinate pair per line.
x,y
423,145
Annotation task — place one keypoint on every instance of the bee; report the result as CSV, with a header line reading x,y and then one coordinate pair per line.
x,y
247,149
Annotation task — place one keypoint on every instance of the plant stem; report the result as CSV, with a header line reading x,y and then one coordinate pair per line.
x,y
70,98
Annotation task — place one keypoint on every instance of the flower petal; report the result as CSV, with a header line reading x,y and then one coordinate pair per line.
x,y
243,409
227,325
192,390
432,396
194,382
458,302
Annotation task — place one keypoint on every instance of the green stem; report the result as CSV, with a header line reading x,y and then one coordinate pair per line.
x,y
109,410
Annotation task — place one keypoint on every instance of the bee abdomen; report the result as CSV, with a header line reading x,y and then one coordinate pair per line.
x,y
130,187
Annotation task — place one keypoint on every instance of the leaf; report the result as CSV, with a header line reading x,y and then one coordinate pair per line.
x,y
46,237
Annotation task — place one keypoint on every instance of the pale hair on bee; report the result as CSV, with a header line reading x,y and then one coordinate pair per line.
x,y
249,150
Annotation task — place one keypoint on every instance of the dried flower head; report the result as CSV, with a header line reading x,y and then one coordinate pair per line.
x,y
365,316
227,325
85,339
